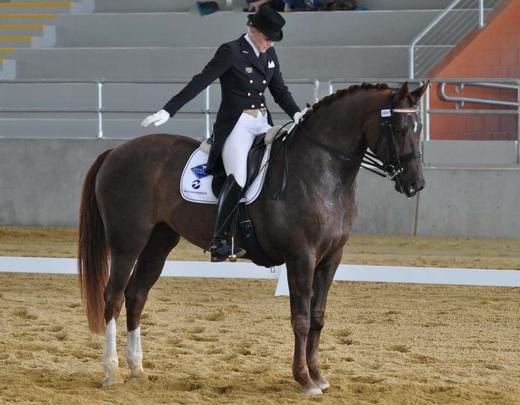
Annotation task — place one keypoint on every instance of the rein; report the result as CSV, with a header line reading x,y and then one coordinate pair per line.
x,y
391,168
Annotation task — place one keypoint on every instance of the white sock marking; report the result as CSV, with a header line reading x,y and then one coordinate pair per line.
x,y
110,360
134,354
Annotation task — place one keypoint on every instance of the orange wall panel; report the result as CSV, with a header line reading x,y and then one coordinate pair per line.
x,y
493,52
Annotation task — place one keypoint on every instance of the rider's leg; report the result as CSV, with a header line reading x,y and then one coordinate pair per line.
x,y
228,200
238,143
234,157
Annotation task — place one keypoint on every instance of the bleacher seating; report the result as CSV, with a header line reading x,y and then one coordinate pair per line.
x,y
166,40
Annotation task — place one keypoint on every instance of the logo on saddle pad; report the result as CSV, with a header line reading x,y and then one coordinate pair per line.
x,y
200,171
196,183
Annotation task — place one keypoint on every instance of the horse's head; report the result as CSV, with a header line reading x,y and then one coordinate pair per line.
x,y
393,135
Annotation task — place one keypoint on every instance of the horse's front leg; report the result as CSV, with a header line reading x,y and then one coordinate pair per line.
x,y
323,276
299,276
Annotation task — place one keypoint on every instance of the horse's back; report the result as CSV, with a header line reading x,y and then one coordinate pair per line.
x,y
153,146
140,174
147,154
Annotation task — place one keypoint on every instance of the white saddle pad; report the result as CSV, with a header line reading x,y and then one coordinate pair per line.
x,y
196,184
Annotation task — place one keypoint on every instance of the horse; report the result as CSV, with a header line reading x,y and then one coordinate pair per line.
x,y
132,214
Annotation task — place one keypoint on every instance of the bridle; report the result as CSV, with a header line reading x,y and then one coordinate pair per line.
x,y
391,167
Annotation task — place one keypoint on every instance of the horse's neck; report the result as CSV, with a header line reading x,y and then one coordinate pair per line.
x,y
340,125
320,175
343,138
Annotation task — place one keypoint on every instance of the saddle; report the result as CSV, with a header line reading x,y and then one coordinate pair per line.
x,y
245,231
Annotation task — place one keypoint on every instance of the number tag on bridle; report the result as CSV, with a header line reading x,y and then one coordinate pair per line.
x,y
387,112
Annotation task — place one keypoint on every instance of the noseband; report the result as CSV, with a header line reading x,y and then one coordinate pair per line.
x,y
391,167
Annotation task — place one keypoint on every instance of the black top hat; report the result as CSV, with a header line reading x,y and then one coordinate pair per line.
x,y
268,21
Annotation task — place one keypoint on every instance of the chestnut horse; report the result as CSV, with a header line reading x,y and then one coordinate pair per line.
x,y
132,214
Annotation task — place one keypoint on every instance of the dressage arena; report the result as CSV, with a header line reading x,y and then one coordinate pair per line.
x,y
425,95
216,340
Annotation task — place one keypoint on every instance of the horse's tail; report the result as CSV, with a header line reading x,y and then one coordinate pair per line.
x,y
92,250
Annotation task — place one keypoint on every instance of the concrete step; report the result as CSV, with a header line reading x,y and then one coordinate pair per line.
x,y
157,6
20,29
7,69
413,5
7,52
182,63
302,29
45,40
19,41
17,18
44,1
139,6
36,7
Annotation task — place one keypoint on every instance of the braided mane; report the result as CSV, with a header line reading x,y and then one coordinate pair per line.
x,y
343,92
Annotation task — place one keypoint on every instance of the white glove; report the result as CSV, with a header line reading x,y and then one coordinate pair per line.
x,y
298,116
159,118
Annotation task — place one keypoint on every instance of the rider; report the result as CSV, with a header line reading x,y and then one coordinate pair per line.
x,y
245,68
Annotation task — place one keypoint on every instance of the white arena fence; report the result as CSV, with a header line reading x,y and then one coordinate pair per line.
x,y
245,270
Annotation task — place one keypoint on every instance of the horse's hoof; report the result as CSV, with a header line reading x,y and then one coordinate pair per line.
x,y
112,380
313,390
139,375
322,383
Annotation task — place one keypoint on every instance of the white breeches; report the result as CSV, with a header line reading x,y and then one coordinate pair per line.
x,y
238,143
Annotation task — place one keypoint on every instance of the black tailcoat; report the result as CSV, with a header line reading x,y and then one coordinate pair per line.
x,y
243,80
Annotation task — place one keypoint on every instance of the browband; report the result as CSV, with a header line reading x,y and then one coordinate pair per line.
x,y
406,110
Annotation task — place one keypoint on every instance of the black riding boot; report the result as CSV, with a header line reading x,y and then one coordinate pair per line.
x,y
228,199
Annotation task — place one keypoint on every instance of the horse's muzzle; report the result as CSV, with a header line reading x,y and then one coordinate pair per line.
x,y
410,189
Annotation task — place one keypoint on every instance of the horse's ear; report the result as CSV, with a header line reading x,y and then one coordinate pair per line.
x,y
402,93
418,92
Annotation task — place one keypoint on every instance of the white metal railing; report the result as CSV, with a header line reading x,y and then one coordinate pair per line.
x,y
463,20
508,107
461,100
100,109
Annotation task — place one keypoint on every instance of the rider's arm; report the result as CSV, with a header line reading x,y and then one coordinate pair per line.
x,y
214,69
280,92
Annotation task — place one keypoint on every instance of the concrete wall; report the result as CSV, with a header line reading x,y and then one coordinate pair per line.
x,y
41,179
41,182
474,153
465,202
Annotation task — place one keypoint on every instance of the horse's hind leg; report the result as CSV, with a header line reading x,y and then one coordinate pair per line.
x,y
146,273
124,252
323,276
